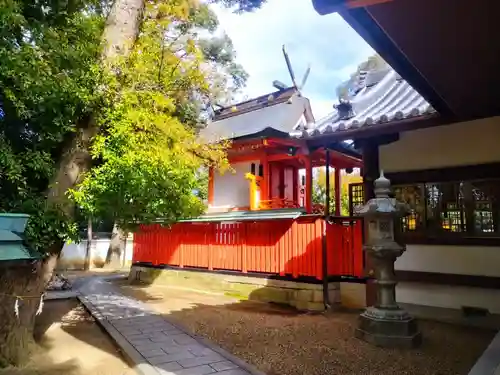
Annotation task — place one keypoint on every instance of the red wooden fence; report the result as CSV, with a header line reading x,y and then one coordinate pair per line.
x,y
284,247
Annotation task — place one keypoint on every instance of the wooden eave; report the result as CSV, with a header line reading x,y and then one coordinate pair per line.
x,y
444,49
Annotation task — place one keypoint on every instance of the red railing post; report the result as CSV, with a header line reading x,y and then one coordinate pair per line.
x,y
181,246
210,241
244,247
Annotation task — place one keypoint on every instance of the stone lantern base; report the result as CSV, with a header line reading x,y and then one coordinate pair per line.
x,y
388,328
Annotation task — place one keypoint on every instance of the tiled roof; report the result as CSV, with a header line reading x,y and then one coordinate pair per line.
x,y
386,97
280,114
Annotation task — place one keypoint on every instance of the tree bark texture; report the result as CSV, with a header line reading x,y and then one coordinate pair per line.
x,y
119,35
16,332
116,248
24,283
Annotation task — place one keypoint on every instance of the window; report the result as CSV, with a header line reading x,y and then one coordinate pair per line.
x,y
457,209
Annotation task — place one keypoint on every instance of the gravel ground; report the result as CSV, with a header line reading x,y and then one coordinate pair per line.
x,y
280,341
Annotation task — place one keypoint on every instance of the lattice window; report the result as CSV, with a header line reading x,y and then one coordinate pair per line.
x,y
445,207
413,196
463,207
356,196
484,194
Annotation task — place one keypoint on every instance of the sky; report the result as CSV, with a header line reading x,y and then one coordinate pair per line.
x,y
328,43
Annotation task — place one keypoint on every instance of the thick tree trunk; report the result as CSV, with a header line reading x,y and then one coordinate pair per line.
x,y
16,330
116,248
22,287
88,247
120,33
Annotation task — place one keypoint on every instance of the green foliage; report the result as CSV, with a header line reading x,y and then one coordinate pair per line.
x,y
147,107
241,6
319,192
226,77
49,69
149,159
202,191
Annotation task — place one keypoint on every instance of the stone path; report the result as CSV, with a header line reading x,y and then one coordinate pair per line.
x,y
489,362
60,294
156,345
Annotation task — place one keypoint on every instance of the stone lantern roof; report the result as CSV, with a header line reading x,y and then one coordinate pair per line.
x,y
382,204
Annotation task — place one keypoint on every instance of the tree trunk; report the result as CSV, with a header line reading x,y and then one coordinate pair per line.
x,y
116,248
88,247
119,35
16,332
24,283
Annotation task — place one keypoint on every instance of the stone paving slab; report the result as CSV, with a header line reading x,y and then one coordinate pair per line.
x,y
60,294
489,362
155,345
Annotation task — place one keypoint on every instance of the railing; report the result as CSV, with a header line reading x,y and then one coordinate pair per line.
x,y
318,209
282,247
277,203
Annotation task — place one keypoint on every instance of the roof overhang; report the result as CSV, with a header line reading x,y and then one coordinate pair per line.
x,y
238,216
376,130
331,6
445,49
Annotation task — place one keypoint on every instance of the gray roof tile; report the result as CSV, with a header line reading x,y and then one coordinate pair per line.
x,y
282,117
391,99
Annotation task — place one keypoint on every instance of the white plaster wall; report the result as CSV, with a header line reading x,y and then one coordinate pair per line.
x,y
73,254
462,260
232,188
451,297
129,249
467,143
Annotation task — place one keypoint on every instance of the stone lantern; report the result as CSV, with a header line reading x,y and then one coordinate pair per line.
x,y
385,324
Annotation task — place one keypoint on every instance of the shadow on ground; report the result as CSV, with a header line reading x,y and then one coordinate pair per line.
x,y
71,343
281,341
42,364
276,339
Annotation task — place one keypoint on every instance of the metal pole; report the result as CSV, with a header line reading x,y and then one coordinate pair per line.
x,y
327,183
86,265
324,241
338,192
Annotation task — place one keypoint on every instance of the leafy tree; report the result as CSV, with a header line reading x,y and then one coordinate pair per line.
x,y
215,67
49,71
319,190
96,110
241,6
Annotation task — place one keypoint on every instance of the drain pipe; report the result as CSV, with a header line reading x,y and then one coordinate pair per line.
x,y
324,242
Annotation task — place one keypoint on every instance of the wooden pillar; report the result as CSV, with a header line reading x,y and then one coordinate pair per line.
x,y
266,180
88,248
281,186
338,192
309,182
327,183
371,168
296,186
210,186
371,171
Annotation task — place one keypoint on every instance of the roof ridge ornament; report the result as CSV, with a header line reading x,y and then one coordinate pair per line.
x,y
344,109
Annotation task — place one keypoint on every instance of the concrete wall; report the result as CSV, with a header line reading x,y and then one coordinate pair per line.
x,y
447,146
231,189
302,296
73,254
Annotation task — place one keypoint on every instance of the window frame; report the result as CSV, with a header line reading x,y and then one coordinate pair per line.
x,y
489,171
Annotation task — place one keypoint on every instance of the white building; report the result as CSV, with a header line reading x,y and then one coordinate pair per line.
x,y
450,176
